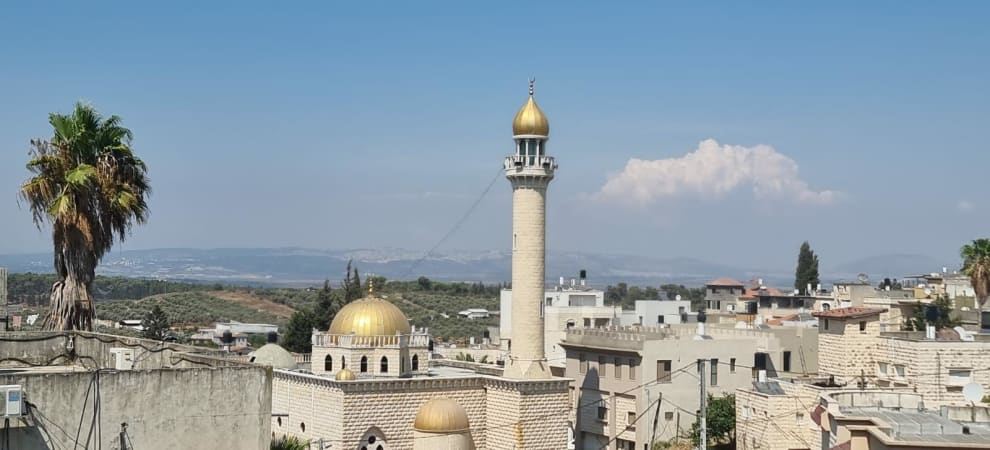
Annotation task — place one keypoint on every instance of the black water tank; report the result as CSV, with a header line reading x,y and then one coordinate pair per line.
x,y
751,307
272,337
701,316
584,274
227,337
487,334
931,313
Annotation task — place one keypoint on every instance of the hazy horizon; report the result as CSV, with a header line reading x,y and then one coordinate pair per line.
x,y
723,132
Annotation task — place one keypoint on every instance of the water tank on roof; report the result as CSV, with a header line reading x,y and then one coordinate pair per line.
x,y
227,337
272,337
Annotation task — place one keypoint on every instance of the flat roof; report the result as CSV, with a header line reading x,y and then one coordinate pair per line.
x,y
922,426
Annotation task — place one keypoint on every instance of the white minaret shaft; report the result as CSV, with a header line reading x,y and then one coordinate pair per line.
x,y
530,171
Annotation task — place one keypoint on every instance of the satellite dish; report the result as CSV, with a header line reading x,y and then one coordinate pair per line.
x,y
677,297
863,278
973,392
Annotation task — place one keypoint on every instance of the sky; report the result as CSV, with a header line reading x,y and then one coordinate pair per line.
x,y
722,131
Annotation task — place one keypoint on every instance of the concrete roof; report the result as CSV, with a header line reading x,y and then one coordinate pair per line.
x,y
922,426
851,312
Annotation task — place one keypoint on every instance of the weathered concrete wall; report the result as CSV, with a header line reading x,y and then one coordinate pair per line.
x,y
209,408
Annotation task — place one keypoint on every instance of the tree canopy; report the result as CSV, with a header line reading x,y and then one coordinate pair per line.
x,y
156,325
807,269
720,420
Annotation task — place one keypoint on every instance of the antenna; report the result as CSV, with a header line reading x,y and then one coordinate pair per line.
x,y
863,278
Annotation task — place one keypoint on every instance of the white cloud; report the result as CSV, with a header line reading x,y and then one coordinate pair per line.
x,y
713,170
965,206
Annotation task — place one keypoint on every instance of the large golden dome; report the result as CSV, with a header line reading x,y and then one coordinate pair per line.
x,y
441,415
530,120
370,316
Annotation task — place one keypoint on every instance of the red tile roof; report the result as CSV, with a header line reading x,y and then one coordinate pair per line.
x,y
724,282
851,312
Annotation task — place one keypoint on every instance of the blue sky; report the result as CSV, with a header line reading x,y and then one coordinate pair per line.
x,y
337,125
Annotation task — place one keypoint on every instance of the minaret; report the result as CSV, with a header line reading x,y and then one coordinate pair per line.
x,y
530,171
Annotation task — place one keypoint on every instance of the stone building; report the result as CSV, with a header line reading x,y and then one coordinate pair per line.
x,y
847,340
150,395
622,375
373,385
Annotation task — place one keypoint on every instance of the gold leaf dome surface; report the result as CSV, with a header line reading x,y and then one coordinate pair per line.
x,y
370,316
530,119
346,375
441,415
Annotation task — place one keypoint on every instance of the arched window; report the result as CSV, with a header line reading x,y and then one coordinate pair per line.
x,y
328,363
384,367
364,364
402,365
415,362
343,362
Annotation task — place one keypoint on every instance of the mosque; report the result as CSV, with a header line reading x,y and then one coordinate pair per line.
x,y
372,384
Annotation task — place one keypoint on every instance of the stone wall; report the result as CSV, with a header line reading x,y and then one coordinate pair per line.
x,y
926,366
777,422
844,351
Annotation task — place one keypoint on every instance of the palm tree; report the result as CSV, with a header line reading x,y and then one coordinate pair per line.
x,y
87,183
976,264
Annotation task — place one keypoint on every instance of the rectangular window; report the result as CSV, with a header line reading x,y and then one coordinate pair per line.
x,y
618,368
659,319
630,418
602,413
582,363
732,365
669,415
899,370
787,361
601,366
663,371
960,376
882,368
826,324
680,310
632,369
714,370
862,325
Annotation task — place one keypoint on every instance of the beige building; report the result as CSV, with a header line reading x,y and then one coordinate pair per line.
x,y
622,375
372,385
777,414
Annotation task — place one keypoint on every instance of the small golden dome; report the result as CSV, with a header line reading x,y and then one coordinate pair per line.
x,y
346,375
441,415
530,120
370,316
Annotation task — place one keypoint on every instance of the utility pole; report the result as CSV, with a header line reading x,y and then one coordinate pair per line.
x,y
123,436
703,414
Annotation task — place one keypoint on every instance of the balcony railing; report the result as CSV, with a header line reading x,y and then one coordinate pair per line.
x,y
521,162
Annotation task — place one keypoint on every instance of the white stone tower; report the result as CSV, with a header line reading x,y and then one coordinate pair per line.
x,y
529,170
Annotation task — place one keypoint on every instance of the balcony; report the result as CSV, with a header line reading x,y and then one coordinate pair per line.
x,y
530,165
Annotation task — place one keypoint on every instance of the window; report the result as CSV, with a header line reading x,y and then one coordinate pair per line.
x,y
798,418
714,370
549,301
328,363
364,364
680,310
899,369
601,366
402,365
618,368
669,415
602,413
960,375
862,325
582,363
343,362
787,361
826,324
663,371
570,324
882,368
384,365
587,322
732,365
514,237
632,369
659,319
415,362
630,418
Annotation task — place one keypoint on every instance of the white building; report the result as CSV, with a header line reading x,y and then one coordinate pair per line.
x,y
658,313
474,313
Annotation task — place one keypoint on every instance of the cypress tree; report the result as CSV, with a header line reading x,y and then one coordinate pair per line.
x,y
807,269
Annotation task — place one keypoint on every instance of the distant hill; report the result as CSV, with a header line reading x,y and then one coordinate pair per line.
x,y
891,266
303,267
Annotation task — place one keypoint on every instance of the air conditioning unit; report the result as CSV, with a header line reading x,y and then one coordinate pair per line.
x,y
12,401
122,358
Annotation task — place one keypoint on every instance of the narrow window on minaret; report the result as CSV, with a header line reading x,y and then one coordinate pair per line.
x,y
513,241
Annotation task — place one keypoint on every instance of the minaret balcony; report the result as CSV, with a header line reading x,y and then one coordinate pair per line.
x,y
530,165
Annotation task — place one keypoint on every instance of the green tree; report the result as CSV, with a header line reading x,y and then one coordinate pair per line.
x,y
916,321
88,184
328,303
807,269
299,332
155,324
286,442
424,283
720,419
352,284
976,264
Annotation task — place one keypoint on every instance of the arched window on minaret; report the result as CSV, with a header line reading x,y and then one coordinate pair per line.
x,y
384,365
364,364
328,363
415,362
343,362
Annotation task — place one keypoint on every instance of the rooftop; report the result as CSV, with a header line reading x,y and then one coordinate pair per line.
x,y
724,282
851,312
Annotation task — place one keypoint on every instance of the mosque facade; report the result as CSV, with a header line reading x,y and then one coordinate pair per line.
x,y
372,384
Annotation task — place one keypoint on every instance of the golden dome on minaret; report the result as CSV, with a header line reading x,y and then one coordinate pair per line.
x,y
370,316
441,415
530,120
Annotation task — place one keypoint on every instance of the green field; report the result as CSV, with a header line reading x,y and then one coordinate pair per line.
x,y
184,308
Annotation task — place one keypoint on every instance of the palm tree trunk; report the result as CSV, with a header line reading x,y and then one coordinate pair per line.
x,y
71,307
